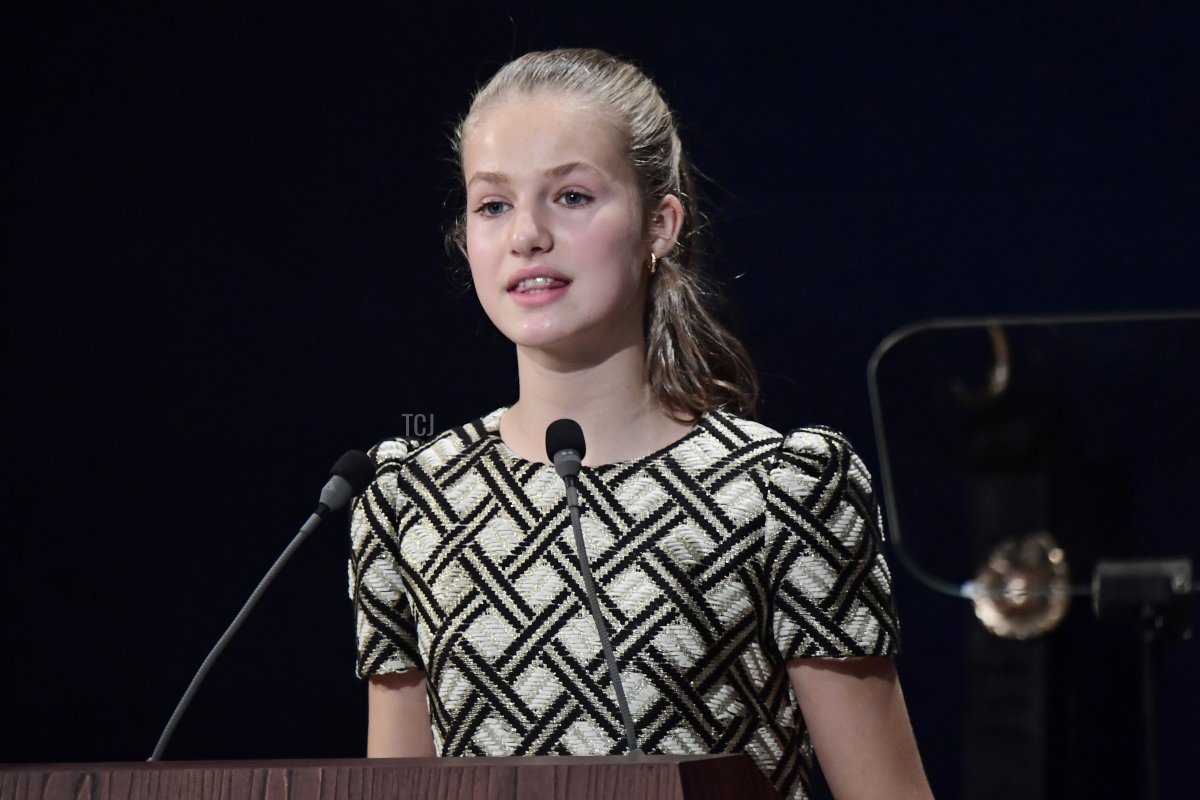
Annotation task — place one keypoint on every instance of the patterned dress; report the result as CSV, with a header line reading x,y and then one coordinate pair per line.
x,y
716,560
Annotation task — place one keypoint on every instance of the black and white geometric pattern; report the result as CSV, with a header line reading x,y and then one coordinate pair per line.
x,y
716,560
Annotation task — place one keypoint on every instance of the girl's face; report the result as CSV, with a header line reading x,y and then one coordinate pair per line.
x,y
556,233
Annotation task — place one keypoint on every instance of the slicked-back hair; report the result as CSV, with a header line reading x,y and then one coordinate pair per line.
x,y
693,363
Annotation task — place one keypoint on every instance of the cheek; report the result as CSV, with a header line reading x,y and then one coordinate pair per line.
x,y
480,250
612,241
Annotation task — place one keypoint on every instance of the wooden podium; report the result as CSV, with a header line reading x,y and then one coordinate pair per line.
x,y
534,778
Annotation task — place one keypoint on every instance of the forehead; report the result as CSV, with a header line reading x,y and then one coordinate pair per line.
x,y
542,128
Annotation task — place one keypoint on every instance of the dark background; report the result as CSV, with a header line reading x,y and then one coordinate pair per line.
x,y
224,267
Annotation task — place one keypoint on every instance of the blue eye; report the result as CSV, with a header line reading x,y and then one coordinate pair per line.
x,y
573,198
492,208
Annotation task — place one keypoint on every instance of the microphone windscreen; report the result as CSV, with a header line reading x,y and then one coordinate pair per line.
x,y
564,434
356,468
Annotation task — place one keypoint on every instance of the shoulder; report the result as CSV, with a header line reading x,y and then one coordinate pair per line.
x,y
390,453
740,429
725,445
404,464
397,454
815,446
816,456
745,440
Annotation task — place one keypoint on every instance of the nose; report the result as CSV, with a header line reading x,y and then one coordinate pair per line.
x,y
529,233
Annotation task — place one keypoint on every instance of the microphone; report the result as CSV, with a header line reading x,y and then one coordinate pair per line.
x,y
349,476
566,448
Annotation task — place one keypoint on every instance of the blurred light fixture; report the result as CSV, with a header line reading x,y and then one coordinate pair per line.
x,y
1022,590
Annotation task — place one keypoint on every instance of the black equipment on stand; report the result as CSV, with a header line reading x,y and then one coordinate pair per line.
x,y
1022,450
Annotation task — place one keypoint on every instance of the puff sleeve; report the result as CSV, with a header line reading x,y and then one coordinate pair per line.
x,y
384,625
829,587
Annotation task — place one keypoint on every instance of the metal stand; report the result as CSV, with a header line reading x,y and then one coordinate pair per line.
x,y
1151,625
1158,595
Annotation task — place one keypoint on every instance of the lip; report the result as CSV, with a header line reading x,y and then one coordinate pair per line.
x,y
541,296
538,298
535,271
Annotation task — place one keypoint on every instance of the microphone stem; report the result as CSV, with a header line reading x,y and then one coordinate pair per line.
x,y
305,530
589,585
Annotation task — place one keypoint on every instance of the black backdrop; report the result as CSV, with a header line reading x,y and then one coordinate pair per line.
x,y
224,266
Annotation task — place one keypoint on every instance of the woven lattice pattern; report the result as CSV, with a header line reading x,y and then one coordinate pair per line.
x,y
717,559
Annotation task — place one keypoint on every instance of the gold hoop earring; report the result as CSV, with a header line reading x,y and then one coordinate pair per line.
x,y
653,263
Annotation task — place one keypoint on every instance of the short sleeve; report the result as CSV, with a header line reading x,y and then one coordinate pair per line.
x,y
830,588
385,632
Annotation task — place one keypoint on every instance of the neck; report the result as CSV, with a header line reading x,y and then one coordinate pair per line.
x,y
607,396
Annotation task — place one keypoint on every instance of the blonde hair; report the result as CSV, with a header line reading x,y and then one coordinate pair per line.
x,y
693,364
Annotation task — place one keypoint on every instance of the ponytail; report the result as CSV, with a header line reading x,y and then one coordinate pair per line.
x,y
693,364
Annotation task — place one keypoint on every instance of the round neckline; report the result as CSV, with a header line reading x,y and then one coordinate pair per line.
x,y
491,425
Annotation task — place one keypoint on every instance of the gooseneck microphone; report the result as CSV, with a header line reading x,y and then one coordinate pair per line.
x,y
349,476
565,447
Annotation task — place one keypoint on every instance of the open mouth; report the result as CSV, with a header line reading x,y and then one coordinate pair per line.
x,y
538,285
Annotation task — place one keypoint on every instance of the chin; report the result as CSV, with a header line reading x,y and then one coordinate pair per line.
x,y
543,340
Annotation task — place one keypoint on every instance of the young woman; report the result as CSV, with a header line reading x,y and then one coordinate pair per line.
x,y
739,570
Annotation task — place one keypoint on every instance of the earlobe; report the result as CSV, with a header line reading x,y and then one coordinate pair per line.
x,y
665,225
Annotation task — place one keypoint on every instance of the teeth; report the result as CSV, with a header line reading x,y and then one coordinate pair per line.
x,y
540,282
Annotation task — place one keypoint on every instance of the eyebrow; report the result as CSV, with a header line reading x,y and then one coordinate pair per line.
x,y
553,172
